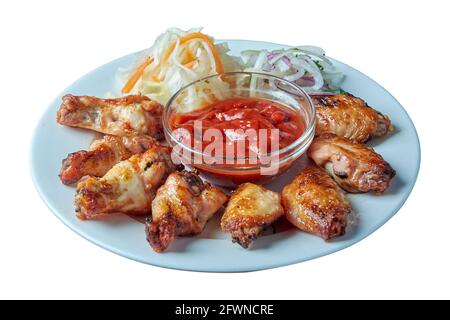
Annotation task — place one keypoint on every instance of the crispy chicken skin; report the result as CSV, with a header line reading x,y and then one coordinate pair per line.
x,y
350,117
251,208
182,206
129,187
129,115
102,155
314,203
354,166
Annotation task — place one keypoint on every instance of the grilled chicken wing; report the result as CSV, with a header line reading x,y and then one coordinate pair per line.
x,y
102,155
129,187
314,203
354,166
251,208
182,206
129,115
350,117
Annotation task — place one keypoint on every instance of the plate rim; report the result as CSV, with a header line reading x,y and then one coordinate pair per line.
x,y
208,268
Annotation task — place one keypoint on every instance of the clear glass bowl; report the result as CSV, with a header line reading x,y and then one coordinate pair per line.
x,y
203,92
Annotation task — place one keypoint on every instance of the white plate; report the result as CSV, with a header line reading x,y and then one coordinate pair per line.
x,y
212,250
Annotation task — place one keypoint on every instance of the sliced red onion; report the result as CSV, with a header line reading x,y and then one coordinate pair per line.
x,y
319,94
272,54
287,61
294,77
277,56
269,68
306,81
292,64
308,78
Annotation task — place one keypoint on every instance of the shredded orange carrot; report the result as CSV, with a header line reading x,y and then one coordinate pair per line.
x,y
197,35
136,75
188,57
190,64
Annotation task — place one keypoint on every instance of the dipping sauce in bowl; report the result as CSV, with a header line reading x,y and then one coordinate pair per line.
x,y
239,127
235,118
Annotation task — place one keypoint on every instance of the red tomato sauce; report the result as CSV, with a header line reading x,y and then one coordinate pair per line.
x,y
243,113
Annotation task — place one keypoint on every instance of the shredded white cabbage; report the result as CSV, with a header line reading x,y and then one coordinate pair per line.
x,y
177,64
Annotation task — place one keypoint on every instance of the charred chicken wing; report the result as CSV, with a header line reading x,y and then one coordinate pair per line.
x,y
251,208
130,115
314,203
129,187
350,117
182,206
354,166
102,155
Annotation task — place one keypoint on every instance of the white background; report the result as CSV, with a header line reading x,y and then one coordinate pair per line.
x,y
46,45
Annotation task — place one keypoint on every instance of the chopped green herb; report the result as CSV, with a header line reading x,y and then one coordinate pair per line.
x,y
318,65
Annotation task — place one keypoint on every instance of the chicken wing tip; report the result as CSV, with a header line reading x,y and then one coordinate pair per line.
x,y
161,234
